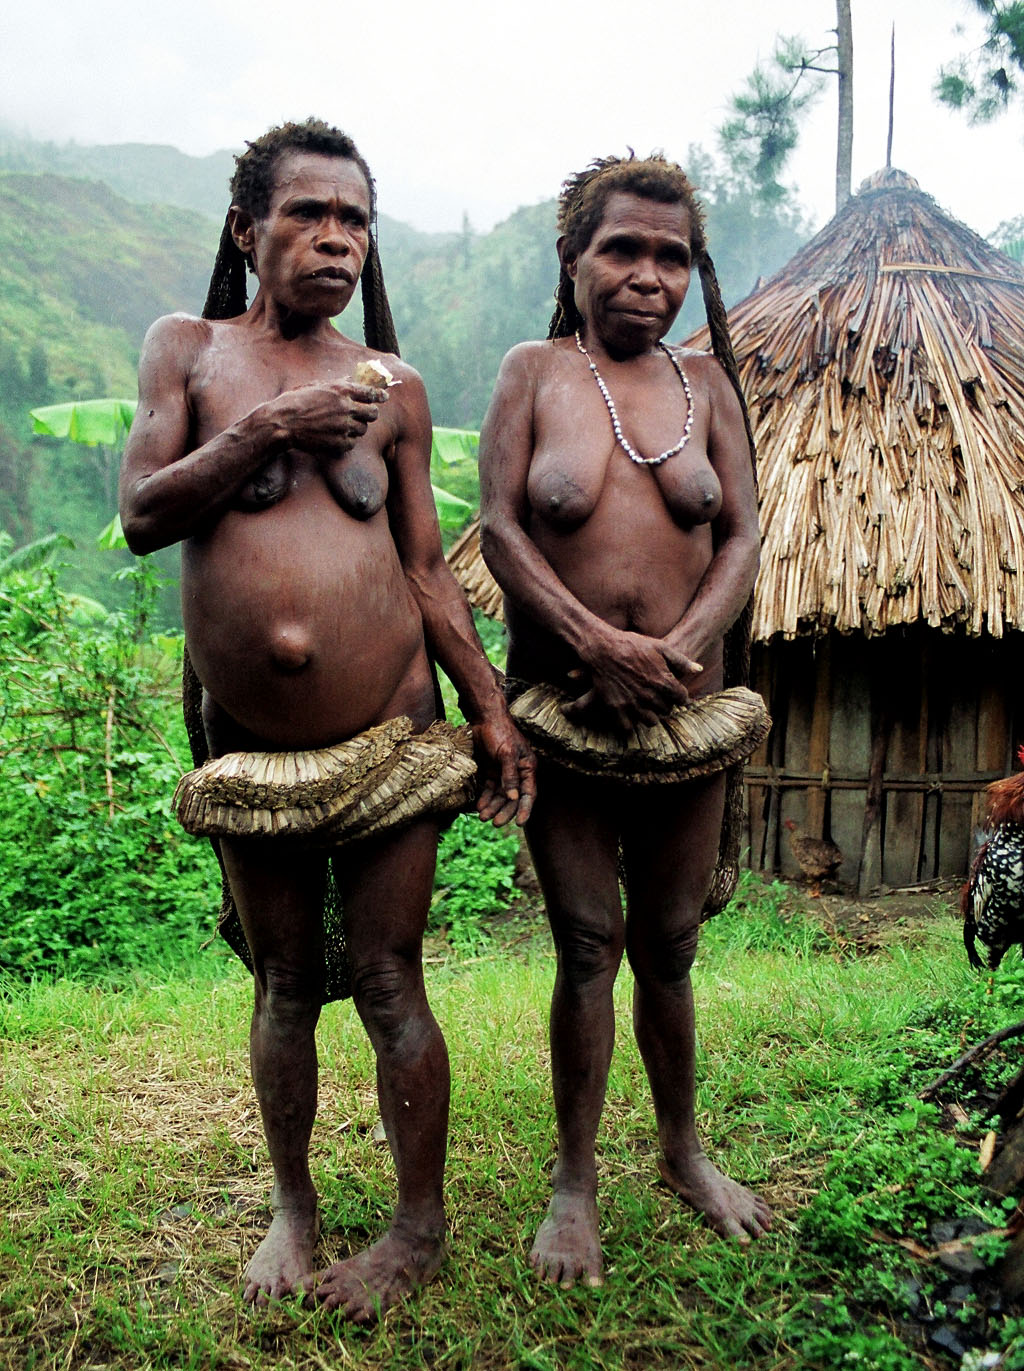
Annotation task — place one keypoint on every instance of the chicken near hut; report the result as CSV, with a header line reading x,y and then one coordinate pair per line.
x,y
818,858
992,899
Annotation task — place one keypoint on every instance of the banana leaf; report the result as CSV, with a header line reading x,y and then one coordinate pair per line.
x,y
452,445
85,421
112,536
452,510
31,555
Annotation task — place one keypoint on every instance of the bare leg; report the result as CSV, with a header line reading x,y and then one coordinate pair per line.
x,y
669,847
574,850
278,896
386,886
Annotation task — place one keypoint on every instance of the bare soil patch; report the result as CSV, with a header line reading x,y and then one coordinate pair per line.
x,y
867,924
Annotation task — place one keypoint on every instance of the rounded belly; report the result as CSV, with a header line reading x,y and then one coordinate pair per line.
x,y
632,566
299,621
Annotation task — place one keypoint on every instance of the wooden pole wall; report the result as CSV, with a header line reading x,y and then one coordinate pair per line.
x,y
886,746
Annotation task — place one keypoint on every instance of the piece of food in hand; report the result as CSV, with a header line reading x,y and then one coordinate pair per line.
x,y
375,374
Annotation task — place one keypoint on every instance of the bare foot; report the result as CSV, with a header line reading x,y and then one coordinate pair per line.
x,y
364,1286
730,1209
283,1257
567,1247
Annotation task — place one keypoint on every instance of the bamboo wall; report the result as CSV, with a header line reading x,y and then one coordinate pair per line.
x,y
886,746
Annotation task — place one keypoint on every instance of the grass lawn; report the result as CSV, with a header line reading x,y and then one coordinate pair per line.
x,y
134,1179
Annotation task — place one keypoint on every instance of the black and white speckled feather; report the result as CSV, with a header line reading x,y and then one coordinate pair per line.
x,y
993,899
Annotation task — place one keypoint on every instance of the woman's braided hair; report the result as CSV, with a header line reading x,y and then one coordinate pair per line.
x,y
252,187
581,207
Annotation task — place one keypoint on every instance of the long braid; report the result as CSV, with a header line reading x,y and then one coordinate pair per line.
x,y
736,645
226,295
378,325
566,318
721,342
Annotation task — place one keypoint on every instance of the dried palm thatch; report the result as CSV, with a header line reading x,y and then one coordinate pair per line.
x,y
470,570
883,369
377,780
697,739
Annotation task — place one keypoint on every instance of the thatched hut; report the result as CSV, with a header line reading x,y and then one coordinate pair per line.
x,y
883,368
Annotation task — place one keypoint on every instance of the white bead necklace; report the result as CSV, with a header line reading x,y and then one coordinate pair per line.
x,y
623,443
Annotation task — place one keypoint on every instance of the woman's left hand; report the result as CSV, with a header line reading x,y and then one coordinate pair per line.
x,y
509,771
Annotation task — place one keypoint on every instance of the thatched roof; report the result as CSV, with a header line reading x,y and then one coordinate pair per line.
x,y
883,368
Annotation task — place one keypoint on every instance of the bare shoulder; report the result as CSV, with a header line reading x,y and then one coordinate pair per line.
x,y
705,371
173,329
703,365
532,359
176,338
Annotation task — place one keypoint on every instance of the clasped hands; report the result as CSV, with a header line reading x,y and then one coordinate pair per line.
x,y
629,678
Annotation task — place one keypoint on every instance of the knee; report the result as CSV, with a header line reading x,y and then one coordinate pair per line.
x,y
289,995
387,996
589,952
663,958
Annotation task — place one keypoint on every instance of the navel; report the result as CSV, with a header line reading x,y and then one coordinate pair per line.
x,y
291,648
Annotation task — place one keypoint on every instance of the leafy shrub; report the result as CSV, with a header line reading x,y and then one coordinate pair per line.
x,y
94,873
836,1338
475,869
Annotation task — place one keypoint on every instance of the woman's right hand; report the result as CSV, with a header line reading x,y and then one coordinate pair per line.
x,y
632,679
325,418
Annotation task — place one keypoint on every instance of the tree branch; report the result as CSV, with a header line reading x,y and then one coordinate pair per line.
x,y
974,1054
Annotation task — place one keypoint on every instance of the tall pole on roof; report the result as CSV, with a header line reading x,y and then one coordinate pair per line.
x,y
844,67
892,90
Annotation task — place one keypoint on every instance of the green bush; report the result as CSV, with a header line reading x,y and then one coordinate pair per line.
x,y
94,873
475,869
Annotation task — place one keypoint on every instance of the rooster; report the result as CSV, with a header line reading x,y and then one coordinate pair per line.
x,y
992,900
818,858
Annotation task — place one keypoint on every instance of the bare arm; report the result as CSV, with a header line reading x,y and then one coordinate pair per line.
x,y
169,492
507,759
633,676
726,585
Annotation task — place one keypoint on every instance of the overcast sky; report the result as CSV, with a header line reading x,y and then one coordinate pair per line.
x,y
483,107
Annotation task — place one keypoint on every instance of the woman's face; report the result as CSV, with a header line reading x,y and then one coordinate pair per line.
x,y
631,279
308,249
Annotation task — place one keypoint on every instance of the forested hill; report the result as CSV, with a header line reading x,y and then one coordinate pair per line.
x,y
150,173
83,274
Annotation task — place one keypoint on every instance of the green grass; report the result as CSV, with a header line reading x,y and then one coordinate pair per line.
x,y
133,1176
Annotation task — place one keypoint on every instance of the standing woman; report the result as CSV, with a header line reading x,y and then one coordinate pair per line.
x,y
619,516
314,593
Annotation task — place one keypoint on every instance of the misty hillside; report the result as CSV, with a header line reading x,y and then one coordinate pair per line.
x,y
150,173
460,299
84,273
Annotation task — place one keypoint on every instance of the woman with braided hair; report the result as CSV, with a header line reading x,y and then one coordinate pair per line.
x,y
619,516
314,589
